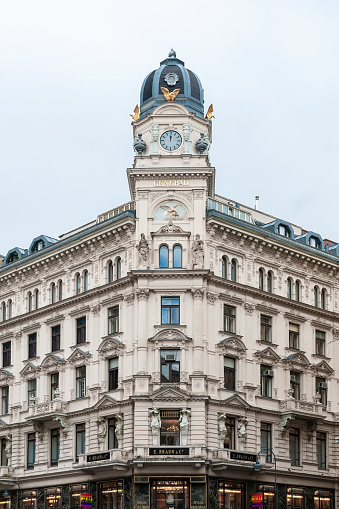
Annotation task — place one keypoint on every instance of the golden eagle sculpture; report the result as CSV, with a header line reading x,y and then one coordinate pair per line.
x,y
170,96
136,113
209,113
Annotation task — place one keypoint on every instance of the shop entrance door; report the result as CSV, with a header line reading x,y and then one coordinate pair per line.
x,y
169,494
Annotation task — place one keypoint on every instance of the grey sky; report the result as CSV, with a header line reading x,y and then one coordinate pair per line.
x,y
71,73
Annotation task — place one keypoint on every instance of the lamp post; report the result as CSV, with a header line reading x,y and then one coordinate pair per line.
x,y
257,466
7,495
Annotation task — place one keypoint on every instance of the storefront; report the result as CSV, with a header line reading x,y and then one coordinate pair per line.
x,y
231,495
170,492
29,499
323,499
111,495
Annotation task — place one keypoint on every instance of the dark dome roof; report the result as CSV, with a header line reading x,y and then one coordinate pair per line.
x,y
172,74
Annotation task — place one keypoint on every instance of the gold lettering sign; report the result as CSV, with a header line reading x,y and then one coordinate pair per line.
x,y
171,183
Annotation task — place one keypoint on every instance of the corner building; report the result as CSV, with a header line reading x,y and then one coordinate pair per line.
x,y
147,357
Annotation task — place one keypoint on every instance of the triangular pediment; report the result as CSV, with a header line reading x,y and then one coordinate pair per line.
x,y
30,370
268,354
169,393
298,359
236,401
52,360
105,401
324,367
170,335
78,355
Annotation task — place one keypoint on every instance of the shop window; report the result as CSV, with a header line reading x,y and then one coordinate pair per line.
x,y
53,498
169,431
295,384
163,257
294,441
32,340
55,446
320,343
170,494
266,328
56,338
80,440
31,394
29,499
229,373
54,385
231,495
170,366
110,271
229,319
261,279
5,503
233,270
30,450
113,369
321,388
80,382
112,439
4,459
111,495
266,440
224,267
296,498
170,310
177,257
268,495
229,440
4,399
74,492
323,499
113,320
81,330
6,354
266,375
321,450
293,336
118,264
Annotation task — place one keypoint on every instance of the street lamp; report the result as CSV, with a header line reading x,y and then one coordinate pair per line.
x,y
258,467
7,495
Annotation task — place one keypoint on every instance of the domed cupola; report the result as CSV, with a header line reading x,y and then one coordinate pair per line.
x,y
172,75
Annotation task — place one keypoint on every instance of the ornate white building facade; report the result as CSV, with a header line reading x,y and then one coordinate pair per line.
x,y
147,357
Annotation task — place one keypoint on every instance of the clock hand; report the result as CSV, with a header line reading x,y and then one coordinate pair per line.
x,y
170,138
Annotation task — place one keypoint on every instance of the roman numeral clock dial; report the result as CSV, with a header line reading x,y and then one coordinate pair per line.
x,y
170,140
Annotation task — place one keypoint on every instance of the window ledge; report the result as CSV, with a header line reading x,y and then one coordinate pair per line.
x,y
266,342
170,326
231,334
79,345
31,359
294,349
318,356
114,335
57,351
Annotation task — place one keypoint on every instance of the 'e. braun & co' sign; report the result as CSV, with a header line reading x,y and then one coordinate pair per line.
x,y
98,457
243,456
169,451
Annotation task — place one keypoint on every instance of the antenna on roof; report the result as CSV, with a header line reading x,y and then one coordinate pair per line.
x,y
256,206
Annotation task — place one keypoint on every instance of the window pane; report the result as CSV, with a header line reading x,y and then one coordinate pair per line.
x,y
177,257
163,257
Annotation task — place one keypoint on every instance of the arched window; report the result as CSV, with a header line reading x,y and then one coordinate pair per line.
x,y
289,288
110,271
53,292
36,299
30,301
233,270
77,284
297,291
85,280
3,312
261,279
10,309
177,257
118,268
60,290
323,298
163,257
316,296
224,267
269,281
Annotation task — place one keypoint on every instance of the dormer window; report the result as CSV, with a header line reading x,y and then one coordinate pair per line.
x,y
314,242
38,246
284,230
13,257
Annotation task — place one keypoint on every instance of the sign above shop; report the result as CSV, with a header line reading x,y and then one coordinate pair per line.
x,y
86,500
243,456
257,500
169,451
98,457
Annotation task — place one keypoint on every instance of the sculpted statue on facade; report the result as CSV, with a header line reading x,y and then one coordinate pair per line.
x,y
241,428
198,253
102,430
184,424
119,429
143,249
222,429
8,449
155,424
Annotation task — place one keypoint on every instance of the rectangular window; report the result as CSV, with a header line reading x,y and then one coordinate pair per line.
x,y
30,450
229,319
81,382
54,385
266,328
6,354
295,384
113,320
31,391
321,388
229,440
4,460
75,492
294,336
112,440
321,450
170,366
170,310
80,432
113,369
55,446
32,345
53,498
294,439
266,440
266,375
4,400
81,330
56,338
29,499
320,342
169,431
229,373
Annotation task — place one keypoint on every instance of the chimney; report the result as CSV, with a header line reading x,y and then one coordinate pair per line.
x,y
256,206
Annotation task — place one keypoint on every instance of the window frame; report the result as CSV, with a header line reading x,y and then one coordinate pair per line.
x,y
80,382
177,248
173,376
54,384
294,336
4,399
113,320
31,391
55,440
266,440
230,374
163,256
55,336
295,385
6,354
294,432
166,437
265,381
320,343
265,328
80,440
321,448
229,319
31,450
32,345
113,374
81,330
171,309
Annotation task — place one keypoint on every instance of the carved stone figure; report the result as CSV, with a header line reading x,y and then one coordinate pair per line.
x,y
102,430
198,253
222,429
8,449
241,428
184,424
143,249
155,424
119,429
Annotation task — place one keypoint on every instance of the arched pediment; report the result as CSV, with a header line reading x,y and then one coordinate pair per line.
x,y
323,367
170,335
5,377
109,347
268,354
79,357
298,359
30,371
233,345
52,361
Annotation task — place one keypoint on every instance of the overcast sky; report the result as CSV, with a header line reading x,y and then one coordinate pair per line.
x,y
71,73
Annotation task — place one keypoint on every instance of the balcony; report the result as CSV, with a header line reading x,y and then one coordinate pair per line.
x,y
223,458
48,410
302,409
193,455
100,460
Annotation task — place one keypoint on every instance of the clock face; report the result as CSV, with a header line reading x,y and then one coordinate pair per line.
x,y
170,140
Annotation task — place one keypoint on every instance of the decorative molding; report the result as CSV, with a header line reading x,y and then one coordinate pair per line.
x,y
79,357
142,293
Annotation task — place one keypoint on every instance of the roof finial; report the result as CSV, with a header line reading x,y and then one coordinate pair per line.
x,y
172,53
